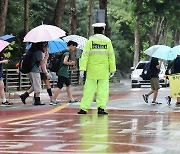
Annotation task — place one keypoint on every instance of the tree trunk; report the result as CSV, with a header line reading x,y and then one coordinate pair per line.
x,y
103,5
59,12
176,37
136,42
26,21
3,13
157,30
26,16
90,18
72,17
136,32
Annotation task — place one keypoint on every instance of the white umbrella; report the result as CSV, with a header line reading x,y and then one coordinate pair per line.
x,y
161,51
44,33
76,38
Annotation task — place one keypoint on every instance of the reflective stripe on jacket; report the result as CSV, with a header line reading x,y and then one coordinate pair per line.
x,y
98,57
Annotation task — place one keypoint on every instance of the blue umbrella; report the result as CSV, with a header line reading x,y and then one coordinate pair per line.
x,y
54,46
8,38
57,45
161,52
176,50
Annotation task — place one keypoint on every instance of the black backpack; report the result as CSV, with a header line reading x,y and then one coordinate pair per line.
x,y
25,64
146,73
55,60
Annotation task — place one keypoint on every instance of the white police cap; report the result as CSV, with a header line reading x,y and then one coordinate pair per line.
x,y
98,25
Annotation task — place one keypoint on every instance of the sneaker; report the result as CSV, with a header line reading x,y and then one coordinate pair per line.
x,y
6,103
74,101
153,103
53,103
168,100
101,111
82,112
145,97
177,104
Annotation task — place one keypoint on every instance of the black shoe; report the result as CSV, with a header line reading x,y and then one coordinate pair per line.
x,y
24,96
168,100
177,104
145,97
74,101
37,101
40,103
82,112
101,111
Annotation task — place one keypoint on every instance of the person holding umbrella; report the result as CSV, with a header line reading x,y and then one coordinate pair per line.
x,y
34,74
155,69
63,72
45,77
99,60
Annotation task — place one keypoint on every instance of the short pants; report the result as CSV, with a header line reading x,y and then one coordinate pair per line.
x,y
154,83
63,80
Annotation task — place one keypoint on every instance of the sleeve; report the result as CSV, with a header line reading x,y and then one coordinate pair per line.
x,y
39,56
112,63
85,56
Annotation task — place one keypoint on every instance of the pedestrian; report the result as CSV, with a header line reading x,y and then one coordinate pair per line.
x,y
34,75
154,69
63,77
2,93
98,60
45,77
174,68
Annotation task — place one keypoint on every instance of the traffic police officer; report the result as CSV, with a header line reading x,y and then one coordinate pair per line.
x,y
98,60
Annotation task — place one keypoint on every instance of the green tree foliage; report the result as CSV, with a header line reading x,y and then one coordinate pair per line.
x,y
159,20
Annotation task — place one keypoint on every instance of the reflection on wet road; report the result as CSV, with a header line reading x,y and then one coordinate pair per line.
x,y
65,131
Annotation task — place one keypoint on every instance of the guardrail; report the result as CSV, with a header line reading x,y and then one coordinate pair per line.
x,y
15,80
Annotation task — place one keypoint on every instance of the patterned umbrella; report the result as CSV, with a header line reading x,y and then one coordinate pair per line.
x,y
76,38
3,44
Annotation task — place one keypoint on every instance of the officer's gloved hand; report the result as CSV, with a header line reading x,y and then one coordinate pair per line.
x,y
81,74
111,75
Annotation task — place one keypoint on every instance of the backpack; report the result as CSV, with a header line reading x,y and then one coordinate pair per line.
x,y
25,64
55,60
146,73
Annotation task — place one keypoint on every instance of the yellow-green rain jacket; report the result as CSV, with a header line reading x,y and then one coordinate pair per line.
x,y
98,57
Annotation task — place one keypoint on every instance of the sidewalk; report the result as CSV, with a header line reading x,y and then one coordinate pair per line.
x,y
77,92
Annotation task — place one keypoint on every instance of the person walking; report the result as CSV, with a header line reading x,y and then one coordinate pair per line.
x,y
34,75
45,77
174,68
2,93
63,73
98,60
155,69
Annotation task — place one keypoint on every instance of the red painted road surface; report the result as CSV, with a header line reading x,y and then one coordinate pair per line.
x,y
62,130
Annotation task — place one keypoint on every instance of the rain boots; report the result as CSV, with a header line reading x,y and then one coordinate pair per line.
x,y
24,96
37,101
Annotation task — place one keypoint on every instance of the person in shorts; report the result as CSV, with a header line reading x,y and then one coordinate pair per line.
x,y
154,81
45,77
2,93
63,73
34,75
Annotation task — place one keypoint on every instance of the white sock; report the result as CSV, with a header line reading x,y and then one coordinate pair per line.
x,y
4,100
